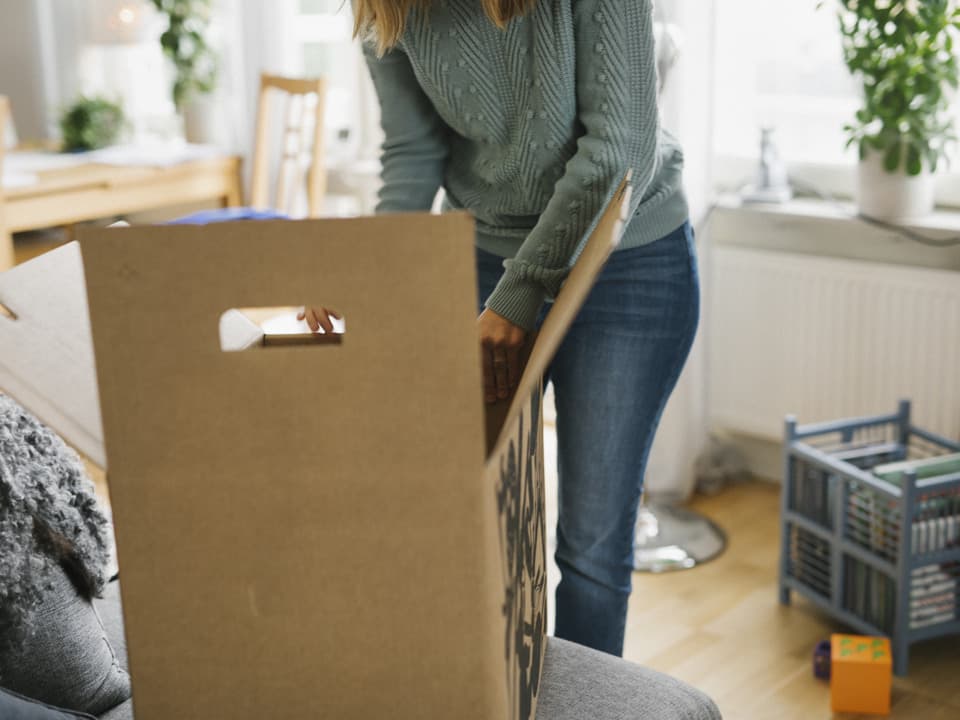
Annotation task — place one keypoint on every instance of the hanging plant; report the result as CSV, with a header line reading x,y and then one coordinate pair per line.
x,y
185,43
903,54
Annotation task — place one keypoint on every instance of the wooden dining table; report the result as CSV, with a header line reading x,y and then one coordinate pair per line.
x,y
93,190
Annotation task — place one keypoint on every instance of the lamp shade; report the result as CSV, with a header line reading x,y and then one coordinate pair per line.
x,y
122,22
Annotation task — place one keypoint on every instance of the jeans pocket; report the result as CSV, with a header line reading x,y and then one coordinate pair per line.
x,y
667,259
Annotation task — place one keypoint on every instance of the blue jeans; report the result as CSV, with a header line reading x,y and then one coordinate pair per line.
x,y
611,378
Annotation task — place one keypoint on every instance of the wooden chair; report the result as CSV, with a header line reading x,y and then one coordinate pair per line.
x,y
292,175
6,237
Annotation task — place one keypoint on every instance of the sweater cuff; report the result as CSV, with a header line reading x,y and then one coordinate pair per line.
x,y
517,300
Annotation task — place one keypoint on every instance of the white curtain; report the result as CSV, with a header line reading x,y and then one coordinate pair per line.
x,y
31,62
687,109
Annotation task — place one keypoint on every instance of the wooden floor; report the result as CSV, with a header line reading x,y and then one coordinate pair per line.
x,y
720,628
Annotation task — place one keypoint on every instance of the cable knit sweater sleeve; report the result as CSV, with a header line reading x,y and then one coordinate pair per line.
x,y
617,106
415,149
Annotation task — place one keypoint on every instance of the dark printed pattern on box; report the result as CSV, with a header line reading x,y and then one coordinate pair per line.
x,y
520,506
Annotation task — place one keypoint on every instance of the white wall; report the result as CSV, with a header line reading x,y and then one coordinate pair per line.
x,y
21,78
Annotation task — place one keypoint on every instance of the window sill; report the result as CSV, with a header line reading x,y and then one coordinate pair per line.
x,y
834,179
817,227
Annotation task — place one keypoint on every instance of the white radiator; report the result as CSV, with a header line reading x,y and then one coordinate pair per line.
x,y
826,338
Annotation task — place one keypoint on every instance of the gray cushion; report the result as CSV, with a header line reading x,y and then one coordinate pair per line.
x,y
14,707
111,613
123,711
582,684
577,683
67,660
54,552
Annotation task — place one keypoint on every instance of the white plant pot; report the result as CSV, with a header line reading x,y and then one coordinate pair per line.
x,y
893,197
203,121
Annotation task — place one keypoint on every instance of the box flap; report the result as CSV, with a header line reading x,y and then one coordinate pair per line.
x,y
47,360
602,241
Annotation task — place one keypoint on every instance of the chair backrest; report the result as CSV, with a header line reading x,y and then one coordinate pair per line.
x,y
303,117
6,240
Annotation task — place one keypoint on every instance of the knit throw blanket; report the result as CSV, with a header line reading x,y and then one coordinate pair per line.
x,y
49,516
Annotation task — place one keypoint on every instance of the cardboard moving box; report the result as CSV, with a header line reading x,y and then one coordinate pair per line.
x,y
318,530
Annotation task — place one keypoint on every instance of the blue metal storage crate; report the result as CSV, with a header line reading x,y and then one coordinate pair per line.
x,y
882,556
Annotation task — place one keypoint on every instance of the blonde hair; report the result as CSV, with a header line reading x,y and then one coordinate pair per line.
x,y
383,21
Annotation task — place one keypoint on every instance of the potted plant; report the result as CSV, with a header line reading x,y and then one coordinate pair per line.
x,y
91,123
185,42
902,52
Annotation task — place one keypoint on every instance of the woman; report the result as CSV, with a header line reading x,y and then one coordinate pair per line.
x,y
528,113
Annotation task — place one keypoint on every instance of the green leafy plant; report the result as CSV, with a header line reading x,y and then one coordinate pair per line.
x,y
903,53
185,43
91,123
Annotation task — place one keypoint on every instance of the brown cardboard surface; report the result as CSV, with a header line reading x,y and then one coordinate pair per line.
x,y
516,474
313,531
46,354
515,468
278,512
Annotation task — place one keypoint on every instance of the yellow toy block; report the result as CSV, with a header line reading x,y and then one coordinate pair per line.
x,y
861,674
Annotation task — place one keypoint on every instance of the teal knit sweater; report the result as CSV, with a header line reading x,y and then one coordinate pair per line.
x,y
530,129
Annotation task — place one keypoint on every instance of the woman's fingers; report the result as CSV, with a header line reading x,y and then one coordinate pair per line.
x,y
317,318
324,319
312,320
501,372
307,317
489,382
513,367
501,341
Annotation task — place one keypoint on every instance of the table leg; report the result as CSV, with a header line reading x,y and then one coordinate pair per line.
x,y
234,197
6,249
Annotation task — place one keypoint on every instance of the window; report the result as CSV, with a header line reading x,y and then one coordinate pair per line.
x,y
322,32
780,64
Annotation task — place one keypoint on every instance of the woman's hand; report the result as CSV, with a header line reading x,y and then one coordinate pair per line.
x,y
319,318
501,342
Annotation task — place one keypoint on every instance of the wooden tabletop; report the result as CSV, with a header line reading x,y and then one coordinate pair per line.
x,y
92,190
93,175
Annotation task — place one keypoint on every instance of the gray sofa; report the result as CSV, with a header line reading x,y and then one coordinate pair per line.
x,y
578,683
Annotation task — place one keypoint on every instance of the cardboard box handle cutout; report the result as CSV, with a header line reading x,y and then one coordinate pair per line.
x,y
251,328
